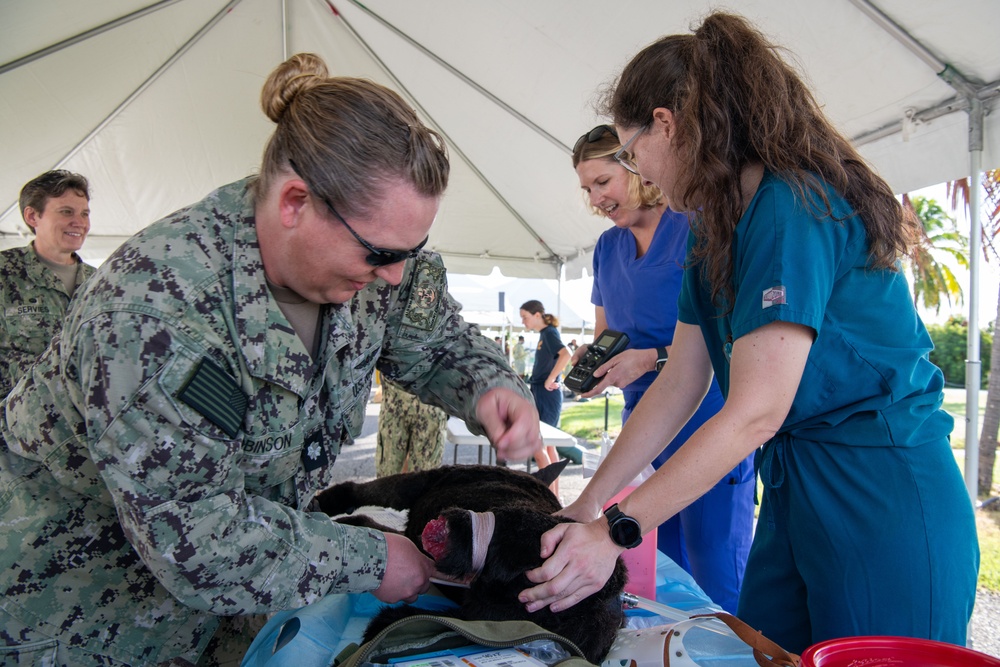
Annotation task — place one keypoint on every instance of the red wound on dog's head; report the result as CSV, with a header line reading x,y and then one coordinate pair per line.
x,y
434,537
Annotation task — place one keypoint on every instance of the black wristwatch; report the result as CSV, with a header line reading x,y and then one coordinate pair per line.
x,y
625,531
661,358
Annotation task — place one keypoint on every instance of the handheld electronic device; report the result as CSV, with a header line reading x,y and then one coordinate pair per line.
x,y
581,377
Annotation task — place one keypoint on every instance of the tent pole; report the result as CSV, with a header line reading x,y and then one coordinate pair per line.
x,y
561,268
973,364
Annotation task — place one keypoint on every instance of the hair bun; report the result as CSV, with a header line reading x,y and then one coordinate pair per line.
x,y
299,73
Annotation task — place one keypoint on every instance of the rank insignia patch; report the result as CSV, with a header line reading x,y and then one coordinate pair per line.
x,y
423,307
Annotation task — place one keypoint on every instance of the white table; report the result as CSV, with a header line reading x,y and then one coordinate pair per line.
x,y
459,434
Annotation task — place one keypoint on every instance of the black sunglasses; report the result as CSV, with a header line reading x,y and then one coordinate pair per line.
x,y
376,256
593,135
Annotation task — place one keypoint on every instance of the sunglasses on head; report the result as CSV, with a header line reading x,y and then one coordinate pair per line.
x,y
376,256
594,135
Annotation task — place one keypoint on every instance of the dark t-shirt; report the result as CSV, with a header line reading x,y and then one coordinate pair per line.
x,y
549,344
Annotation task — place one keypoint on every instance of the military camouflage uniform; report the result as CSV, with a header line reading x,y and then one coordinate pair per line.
x,y
162,455
33,304
408,427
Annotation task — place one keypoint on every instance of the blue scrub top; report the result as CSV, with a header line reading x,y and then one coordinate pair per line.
x,y
867,380
639,295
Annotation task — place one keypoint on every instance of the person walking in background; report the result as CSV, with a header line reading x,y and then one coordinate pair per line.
x,y
38,280
411,433
520,354
638,264
160,461
551,359
793,295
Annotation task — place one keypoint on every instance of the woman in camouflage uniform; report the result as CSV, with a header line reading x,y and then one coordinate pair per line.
x,y
161,458
38,280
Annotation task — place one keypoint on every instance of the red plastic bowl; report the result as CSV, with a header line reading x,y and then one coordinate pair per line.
x,y
892,652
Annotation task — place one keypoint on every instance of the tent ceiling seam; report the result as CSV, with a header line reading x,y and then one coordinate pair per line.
x,y
475,170
83,36
138,91
467,79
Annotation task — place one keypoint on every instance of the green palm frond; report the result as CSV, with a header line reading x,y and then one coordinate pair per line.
x,y
941,243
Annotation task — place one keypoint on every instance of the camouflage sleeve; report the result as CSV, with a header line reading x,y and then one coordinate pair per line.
x,y
14,364
437,355
180,492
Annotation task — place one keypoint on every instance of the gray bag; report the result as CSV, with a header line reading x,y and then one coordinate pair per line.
x,y
419,634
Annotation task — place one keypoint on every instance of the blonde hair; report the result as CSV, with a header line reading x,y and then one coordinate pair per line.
x,y
640,196
348,137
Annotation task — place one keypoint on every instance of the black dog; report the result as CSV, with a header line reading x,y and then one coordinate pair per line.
x,y
440,505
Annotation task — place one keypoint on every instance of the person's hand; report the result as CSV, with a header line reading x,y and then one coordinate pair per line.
x,y
551,385
510,422
620,371
578,355
580,558
580,510
407,571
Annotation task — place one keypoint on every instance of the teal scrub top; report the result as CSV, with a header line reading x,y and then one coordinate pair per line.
x,y
867,380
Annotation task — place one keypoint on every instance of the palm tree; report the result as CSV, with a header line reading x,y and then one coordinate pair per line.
x,y
959,193
932,278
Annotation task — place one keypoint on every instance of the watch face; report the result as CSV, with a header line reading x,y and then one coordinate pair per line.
x,y
625,532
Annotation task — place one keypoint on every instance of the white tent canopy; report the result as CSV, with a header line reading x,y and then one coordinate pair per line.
x,y
157,102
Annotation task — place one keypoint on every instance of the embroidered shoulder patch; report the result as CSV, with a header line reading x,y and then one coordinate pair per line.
x,y
773,296
422,309
214,394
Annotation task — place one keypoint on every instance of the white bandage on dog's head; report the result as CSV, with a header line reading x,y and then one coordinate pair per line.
x,y
483,524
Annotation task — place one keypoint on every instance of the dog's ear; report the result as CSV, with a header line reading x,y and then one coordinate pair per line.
x,y
549,473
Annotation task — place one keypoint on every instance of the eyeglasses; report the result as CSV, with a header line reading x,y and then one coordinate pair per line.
x,y
376,256
593,135
623,157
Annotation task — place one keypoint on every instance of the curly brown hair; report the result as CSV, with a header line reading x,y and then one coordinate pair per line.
x,y
736,102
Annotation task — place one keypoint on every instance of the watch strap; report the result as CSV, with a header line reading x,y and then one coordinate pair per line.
x,y
612,513
661,357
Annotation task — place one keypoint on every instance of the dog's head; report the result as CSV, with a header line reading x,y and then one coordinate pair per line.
x,y
509,547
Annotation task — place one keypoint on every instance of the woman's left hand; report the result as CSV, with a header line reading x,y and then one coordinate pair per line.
x,y
580,558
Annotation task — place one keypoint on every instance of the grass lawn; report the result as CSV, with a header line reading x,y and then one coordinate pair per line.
x,y
586,422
